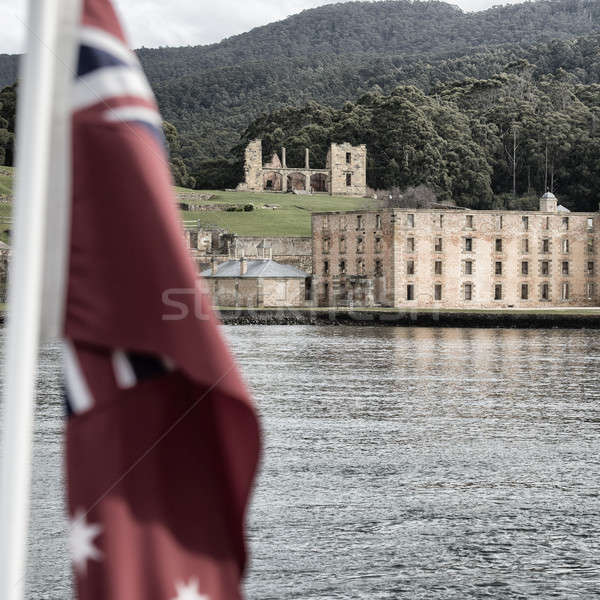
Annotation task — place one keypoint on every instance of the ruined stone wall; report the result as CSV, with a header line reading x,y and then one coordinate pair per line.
x,y
463,259
353,258
253,168
347,160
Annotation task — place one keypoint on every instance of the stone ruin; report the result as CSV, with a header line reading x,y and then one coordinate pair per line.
x,y
345,173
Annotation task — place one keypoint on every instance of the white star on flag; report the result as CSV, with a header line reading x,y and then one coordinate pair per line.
x,y
81,541
190,591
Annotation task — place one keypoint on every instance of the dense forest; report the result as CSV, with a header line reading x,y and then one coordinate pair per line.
x,y
506,98
488,143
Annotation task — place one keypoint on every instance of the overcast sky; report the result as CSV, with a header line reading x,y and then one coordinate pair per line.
x,y
154,23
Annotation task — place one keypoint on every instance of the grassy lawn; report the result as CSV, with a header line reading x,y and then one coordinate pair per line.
x,y
291,218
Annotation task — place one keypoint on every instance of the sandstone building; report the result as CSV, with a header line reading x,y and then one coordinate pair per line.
x,y
345,173
255,284
457,258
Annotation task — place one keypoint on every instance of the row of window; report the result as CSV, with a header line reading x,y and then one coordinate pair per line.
x,y
360,245
360,267
499,267
469,220
468,245
544,267
498,291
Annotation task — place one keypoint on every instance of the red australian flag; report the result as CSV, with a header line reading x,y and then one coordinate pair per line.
x,y
162,438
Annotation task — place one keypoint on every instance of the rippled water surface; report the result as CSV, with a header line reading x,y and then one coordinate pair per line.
x,y
400,463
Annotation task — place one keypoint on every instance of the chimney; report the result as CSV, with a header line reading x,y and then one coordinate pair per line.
x,y
243,265
307,158
283,159
213,266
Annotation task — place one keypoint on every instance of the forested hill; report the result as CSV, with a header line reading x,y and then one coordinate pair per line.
x,y
383,28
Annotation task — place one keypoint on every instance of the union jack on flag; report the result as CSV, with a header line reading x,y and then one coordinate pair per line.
x,y
162,438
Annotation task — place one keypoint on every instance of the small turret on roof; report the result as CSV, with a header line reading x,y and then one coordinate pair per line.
x,y
548,202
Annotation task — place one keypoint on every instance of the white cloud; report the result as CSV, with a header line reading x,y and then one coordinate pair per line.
x,y
154,23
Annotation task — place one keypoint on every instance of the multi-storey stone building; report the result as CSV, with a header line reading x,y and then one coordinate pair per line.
x,y
345,172
457,258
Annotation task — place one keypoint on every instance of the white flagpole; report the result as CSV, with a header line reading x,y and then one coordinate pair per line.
x,y
25,285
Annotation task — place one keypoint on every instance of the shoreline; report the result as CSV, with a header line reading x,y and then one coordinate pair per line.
x,y
579,318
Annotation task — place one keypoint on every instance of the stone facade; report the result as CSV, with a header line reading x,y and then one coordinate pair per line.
x,y
345,173
456,258
257,293
260,283
206,245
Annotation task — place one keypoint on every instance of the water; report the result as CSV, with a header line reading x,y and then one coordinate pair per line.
x,y
400,463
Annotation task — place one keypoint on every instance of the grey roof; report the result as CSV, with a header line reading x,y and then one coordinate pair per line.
x,y
561,208
256,268
548,196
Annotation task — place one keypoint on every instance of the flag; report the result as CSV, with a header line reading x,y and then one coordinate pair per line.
x,y
162,439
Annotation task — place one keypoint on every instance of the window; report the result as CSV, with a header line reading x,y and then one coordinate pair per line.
x,y
360,266
342,245
378,268
410,267
410,244
378,222
565,267
348,158
565,222
342,267
468,267
545,294
565,291
326,245
524,291
525,223
343,223
497,292
410,292
468,291
499,221
565,246
360,245
590,267
441,221
438,267
410,220
326,291
325,221
348,179
326,267
378,244
438,244
498,244
524,268
359,222
590,246
590,290
545,267
545,245
469,221
525,245
193,239
590,223
437,291
498,268
468,244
